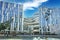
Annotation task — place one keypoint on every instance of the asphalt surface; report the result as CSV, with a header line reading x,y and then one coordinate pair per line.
x,y
30,36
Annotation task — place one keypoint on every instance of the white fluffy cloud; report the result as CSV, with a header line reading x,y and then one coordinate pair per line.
x,y
34,3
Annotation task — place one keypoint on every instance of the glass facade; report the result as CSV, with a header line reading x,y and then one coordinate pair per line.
x,y
49,20
12,10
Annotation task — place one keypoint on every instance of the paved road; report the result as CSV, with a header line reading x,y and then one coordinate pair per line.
x,y
29,36
33,39
49,36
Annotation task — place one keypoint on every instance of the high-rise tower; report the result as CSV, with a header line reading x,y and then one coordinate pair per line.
x,y
12,10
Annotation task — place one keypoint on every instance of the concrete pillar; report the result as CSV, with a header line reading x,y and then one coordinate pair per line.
x,y
2,13
14,16
21,17
18,19
50,21
41,21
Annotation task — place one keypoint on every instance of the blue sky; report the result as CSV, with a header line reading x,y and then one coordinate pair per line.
x,y
31,6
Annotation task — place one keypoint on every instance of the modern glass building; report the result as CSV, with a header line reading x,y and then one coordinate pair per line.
x,y
12,10
49,20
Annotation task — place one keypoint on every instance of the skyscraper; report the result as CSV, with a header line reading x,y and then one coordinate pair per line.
x,y
12,10
49,19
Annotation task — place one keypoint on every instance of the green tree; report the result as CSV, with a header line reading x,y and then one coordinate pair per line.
x,y
6,24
